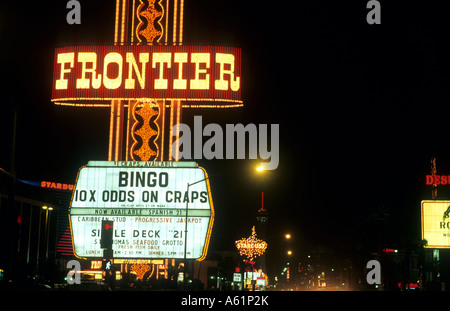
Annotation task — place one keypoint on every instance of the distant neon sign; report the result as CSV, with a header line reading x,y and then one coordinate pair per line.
x,y
437,179
436,223
251,247
142,72
56,185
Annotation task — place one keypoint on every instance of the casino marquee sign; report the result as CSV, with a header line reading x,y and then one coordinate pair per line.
x,y
86,74
154,212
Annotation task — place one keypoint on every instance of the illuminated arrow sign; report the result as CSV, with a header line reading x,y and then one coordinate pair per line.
x,y
146,203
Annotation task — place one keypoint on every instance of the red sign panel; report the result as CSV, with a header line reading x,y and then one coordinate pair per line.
x,y
142,72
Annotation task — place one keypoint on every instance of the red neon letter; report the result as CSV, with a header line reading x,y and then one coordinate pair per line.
x,y
437,180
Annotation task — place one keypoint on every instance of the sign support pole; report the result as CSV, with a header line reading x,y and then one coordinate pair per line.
x,y
185,241
106,243
185,230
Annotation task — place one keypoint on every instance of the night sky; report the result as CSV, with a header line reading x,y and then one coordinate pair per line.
x,y
362,110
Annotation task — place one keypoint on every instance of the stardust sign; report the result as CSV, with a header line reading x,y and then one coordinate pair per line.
x,y
142,72
147,202
436,223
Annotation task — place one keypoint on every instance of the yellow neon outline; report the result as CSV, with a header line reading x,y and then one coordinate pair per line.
x,y
118,128
122,32
111,127
132,21
175,13
65,101
132,131
180,32
167,23
211,220
167,106
170,132
130,105
83,105
116,26
162,110
177,151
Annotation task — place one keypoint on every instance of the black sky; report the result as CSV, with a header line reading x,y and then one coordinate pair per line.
x,y
362,109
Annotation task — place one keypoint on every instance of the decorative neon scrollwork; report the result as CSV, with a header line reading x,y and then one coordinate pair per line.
x,y
141,270
148,13
147,131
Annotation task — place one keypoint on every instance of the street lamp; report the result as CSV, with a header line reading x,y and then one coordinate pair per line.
x,y
289,252
260,168
39,237
185,228
287,236
47,227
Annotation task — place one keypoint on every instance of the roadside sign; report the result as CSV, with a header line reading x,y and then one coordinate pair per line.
x,y
146,201
435,223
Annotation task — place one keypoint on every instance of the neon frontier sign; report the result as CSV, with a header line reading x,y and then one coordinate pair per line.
x,y
142,72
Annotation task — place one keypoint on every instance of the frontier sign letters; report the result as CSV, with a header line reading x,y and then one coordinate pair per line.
x,y
147,202
142,72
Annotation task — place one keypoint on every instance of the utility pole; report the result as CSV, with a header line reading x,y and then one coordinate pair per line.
x,y
186,233
106,242
433,173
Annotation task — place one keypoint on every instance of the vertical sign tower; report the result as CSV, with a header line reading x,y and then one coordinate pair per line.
x,y
145,78
145,22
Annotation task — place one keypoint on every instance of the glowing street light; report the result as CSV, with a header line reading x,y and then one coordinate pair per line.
x,y
287,236
46,209
47,227
260,168
289,253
